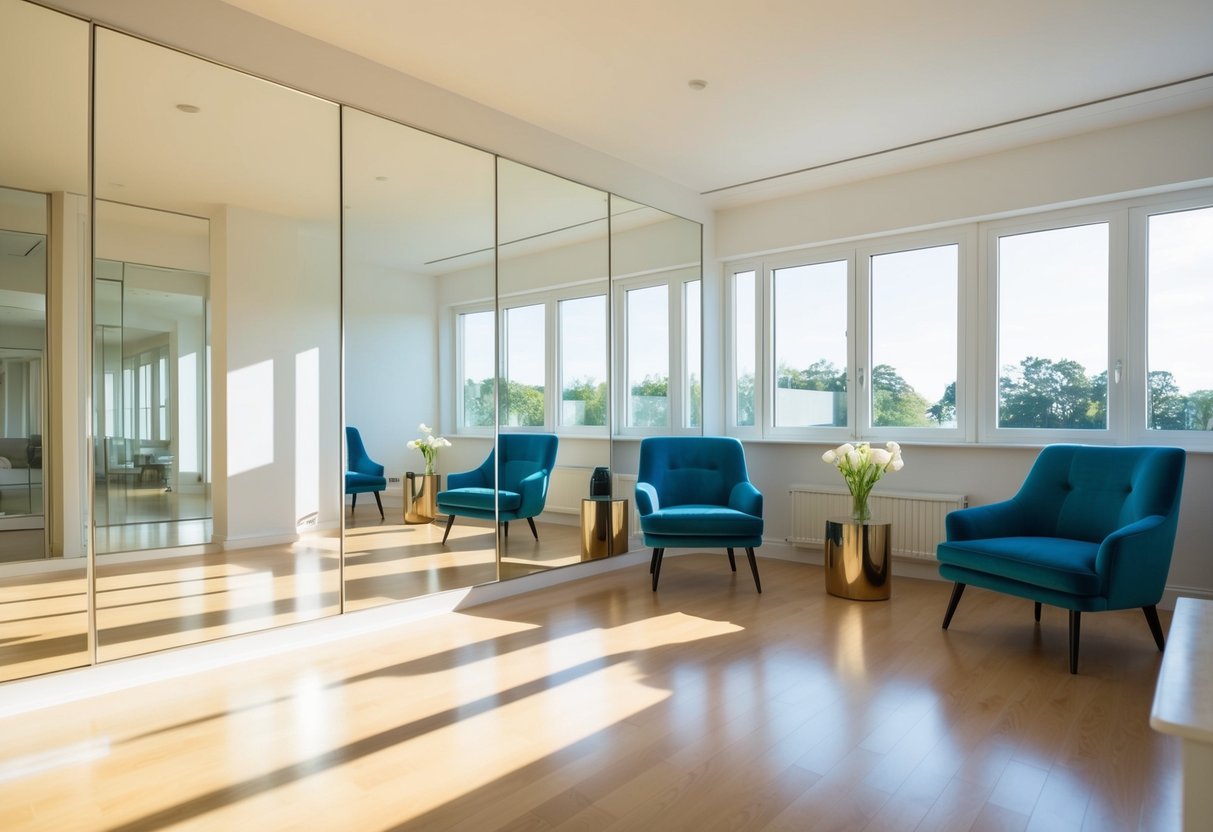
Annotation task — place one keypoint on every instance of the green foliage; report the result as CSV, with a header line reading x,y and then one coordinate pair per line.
x,y
943,412
594,394
522,405
745,399
650,402
1040,393
894,402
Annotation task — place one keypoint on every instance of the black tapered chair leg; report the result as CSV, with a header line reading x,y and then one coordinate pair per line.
x,y
1075,623
450,521
534,531
957,590
1155,627
1037,612
749,552
353,502
506,526
658,554
732,560
379,503
653,562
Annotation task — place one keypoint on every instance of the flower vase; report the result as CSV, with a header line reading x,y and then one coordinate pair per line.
x,y
860,511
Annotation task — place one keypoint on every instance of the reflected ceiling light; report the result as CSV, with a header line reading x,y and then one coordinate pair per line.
x,y
189,108
380,178
697,84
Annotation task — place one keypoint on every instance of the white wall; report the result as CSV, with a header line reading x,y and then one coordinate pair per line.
x,y
276,299
391,362
1164,153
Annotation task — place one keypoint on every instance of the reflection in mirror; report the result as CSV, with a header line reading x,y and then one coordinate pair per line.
x,y
219,229
153,486
656,272
43,224
418,301
552,284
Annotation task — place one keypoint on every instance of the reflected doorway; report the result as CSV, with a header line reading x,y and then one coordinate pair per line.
x,y
151,411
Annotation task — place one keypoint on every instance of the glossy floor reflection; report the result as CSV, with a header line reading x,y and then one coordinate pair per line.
x,y
388,560
152,604
43,619
599,704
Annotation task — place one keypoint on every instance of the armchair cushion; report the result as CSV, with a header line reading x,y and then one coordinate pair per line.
x,y
702,521
1052,562
522,465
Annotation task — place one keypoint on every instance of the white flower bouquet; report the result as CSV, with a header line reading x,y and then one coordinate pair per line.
x,y
861,467
429,444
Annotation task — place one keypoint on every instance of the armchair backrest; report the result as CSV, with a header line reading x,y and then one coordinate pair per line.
x,y
522,454
357,459
692,470
1085,492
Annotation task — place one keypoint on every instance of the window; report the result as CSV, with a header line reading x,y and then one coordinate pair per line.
x,y
810,317
583,362
1179,285
1052,319
647,377
476,357
692,338
745,349
523,366
914,304
162,391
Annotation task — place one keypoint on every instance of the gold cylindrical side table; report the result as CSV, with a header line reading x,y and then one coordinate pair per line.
x,y
604,527
421,497
857,559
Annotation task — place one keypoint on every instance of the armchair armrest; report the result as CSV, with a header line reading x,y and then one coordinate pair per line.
x,y
746,498
1002,519
646,499
1133,562
374,468
533,490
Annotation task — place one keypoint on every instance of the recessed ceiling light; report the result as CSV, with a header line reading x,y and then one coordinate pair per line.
x,y
697,84
380,178
189,108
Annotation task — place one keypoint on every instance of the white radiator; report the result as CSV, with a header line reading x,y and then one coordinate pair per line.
x,y
569,483
917,519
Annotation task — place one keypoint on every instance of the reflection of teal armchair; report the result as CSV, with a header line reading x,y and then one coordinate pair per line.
x,y
526,466
1091,529
694,491
362,474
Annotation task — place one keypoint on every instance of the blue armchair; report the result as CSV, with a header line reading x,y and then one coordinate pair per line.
x,y
694,491
526,466
1091,529
362,474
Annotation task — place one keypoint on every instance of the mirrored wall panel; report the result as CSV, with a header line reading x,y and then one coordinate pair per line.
x,y
656,278
553,288
216,351
419,334
43,239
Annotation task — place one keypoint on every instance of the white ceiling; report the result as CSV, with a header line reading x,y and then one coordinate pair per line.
x,y
792,84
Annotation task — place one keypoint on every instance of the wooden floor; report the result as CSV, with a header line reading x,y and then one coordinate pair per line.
x,y
599,705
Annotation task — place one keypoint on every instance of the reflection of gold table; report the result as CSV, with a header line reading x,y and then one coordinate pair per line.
x,y
604,527
857,559
420,497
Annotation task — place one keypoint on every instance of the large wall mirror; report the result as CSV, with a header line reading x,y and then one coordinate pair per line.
x,y
43,239
530,326
216,348
553,288
418,289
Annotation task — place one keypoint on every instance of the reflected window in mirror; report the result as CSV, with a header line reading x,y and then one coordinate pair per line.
x,y
524,362
583,363
646,322
476,354
692,352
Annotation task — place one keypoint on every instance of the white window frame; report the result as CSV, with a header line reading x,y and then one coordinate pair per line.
x,y
557,371
1116,220
461,427
753,431
1137,358
965,239
684,387
673,281
809,257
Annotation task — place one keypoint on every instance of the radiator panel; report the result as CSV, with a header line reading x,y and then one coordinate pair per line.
x,y
917,518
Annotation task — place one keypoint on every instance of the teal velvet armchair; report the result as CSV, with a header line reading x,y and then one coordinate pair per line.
x,y
527,460
1092,528
694,491
362,474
